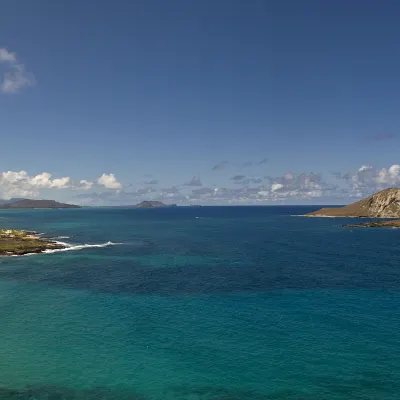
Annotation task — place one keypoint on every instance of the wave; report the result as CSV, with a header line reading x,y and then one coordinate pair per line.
x,y
203,218
74,247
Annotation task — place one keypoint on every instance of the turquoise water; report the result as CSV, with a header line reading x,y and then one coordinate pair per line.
x,y
241,303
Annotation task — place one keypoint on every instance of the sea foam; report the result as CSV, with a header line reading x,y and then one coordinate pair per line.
x,y
73,247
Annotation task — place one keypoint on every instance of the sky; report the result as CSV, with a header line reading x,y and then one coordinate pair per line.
x,y
199,102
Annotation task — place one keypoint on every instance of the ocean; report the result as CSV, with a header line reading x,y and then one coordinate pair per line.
x,y
210,303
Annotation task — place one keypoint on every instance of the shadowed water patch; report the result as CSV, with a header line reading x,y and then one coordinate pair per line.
x,y
50,392
123,277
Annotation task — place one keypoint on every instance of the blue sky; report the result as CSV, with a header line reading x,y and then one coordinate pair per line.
x,y
211,102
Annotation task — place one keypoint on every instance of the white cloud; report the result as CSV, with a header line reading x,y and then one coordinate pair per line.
x,y
6,56
365,168
368,179
85,185
14,177
109,181
44,180
276,186
16,77
20,184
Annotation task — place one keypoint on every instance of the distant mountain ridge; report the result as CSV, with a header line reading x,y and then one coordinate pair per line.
x,y
384,204
12,200
29,204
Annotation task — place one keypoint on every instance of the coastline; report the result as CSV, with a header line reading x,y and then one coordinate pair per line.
x,y
343,216
19,242
394,224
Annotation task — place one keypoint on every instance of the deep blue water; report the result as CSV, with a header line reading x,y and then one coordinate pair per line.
x,y
242,303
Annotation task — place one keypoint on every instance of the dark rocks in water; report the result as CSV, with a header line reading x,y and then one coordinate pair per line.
x,y
395,223
26,203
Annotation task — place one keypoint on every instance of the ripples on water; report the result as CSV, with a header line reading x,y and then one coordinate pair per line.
x,y
239,304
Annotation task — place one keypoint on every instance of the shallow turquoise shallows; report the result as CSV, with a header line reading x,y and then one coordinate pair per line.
x,y
211,303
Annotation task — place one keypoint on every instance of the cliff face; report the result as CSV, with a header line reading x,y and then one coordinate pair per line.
x,y
384,204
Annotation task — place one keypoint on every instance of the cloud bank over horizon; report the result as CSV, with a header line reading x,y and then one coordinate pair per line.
x,y
289,188
21,184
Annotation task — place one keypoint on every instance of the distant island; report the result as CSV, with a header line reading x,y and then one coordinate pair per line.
x,y
152,204
384,204
29,204
17,243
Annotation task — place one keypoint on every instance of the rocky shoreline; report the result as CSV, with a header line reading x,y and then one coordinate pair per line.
x,y
376,224
18,243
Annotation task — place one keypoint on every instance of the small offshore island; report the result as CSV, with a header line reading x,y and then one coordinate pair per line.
x,y
18,243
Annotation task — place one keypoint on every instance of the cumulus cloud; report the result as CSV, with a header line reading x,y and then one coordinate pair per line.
x,y
368,179
6,56
276,186
299,186
85,185
44,180
109,181
195,181
20,184
15,76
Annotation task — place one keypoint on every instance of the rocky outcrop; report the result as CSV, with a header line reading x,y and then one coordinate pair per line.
x,y
384,204
394,223
17,243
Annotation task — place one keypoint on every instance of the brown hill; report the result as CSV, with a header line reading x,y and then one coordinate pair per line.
x,y
384,204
